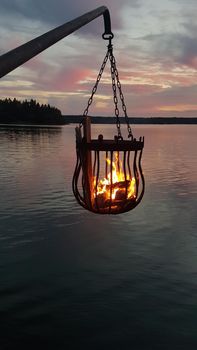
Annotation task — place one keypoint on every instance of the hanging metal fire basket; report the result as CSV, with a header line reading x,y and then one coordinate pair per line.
x,y
108,177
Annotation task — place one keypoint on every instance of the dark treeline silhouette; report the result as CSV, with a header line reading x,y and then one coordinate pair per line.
x,y
133,120
31,112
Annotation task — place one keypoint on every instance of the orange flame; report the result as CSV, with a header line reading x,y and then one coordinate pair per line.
x,y
120,189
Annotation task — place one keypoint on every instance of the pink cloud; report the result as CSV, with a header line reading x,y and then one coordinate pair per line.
x,y
67,79
37,65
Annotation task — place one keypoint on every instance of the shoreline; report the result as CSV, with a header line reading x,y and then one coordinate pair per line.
x,y
107,120
132,120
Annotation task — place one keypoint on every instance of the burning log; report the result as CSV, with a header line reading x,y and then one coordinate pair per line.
x,y
117,191
121,194
101,200
115,186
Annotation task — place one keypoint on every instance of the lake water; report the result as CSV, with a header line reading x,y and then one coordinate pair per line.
x,y
70,279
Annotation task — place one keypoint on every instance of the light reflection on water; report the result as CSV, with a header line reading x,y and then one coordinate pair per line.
x,y
73,278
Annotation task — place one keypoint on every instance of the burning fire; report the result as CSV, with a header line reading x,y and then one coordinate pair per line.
x,y
120,189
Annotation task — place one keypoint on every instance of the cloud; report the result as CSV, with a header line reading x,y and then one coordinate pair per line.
x,y
58,12
174,49
155,48
175,101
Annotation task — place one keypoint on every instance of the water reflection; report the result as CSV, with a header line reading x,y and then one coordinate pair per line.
x,y
117,278
32,133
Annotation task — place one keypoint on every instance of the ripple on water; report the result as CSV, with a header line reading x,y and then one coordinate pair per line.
x,y
60,262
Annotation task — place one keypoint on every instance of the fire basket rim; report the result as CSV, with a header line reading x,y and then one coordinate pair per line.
x,y
111,145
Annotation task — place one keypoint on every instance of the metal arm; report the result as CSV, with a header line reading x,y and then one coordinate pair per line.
x,y
16,57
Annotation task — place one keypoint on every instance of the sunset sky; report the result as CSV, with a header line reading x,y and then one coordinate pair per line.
x,y
155,46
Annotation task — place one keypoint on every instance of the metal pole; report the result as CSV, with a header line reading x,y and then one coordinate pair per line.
x,y
16,57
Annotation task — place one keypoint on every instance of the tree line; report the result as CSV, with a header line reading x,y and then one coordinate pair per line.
x,y
15,111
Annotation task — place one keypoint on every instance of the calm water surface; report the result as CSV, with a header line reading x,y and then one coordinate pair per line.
x,y
70,279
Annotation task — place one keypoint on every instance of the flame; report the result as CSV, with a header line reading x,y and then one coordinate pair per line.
x,y
120,186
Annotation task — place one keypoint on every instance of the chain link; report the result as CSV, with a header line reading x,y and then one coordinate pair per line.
x,y
115,82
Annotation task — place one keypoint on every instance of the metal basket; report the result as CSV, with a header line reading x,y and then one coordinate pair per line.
x,y
108,177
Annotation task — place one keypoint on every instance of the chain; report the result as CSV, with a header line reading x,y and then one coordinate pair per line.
x,y
115,81
121,97
113,77
85,113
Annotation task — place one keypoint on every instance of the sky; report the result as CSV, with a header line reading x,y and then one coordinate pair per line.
x,y
154,43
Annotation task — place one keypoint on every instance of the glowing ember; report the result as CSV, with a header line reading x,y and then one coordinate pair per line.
x,y
118,188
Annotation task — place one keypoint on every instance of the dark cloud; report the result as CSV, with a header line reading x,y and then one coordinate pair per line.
x,y
60,11
175,48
